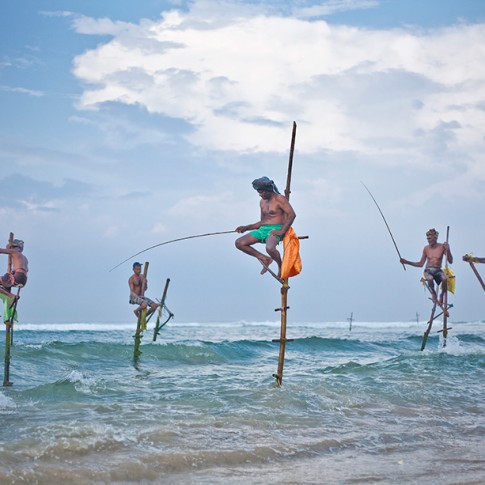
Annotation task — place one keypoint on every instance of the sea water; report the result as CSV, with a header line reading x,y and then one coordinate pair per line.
x,y
201,406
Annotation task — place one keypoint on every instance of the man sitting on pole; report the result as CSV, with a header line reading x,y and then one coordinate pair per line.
x,y
277,216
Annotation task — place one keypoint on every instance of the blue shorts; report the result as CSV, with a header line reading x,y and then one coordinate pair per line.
x,y
263,232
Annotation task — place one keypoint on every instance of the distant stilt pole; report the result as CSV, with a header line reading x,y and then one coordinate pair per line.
x,y
141,318
350,319
284,287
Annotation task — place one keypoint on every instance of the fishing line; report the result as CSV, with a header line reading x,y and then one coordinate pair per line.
x,y
387,225
171,241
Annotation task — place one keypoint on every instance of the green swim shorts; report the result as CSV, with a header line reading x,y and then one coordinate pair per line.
x,y
263,232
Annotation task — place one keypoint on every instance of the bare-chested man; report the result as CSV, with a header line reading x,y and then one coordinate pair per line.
x,y
433,256
137,296
277,216
20,267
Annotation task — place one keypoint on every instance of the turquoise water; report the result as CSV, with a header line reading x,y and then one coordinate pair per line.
x,y
201,405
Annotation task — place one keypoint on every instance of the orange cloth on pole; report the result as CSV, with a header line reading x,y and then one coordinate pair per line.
x,y
291,264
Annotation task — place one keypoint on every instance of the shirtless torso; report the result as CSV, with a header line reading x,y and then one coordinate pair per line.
x,y
136,285
433,254
275,211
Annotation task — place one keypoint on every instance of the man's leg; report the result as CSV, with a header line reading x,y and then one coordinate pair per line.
x,y
5,292
7,281
153,307
434,296
137,312
444,287
271,244
245,243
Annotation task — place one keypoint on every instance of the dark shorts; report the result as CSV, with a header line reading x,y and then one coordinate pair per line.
x,y
16,278
436,273
263,232
20,278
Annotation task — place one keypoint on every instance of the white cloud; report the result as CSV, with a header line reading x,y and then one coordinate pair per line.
x,y
240,80
30,92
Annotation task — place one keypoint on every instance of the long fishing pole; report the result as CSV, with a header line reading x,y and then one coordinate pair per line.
x,y
387,225
171,241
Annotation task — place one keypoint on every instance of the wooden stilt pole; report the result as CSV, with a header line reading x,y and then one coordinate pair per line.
x,y
9,327
160,309
351,319
141,318
477,274
445,295
430,324
9,341
284,287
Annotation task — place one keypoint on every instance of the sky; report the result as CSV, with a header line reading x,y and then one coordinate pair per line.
x,y
126,124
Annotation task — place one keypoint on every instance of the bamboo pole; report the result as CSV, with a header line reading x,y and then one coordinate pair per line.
x,y
477,274
445,295
428,330
164,296
10,242
138,334
284,286
9,327
9,341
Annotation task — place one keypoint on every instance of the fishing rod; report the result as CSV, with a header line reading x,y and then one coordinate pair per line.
x,y
171,241
387,225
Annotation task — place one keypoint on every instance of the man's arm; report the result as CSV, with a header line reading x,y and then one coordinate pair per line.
x,y
249,227
449,256
417,264
6,251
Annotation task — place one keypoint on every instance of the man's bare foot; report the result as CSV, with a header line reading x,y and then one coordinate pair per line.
x,y
266,262
137,313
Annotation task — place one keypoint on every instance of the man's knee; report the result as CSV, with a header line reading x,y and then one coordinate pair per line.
x,y
242,243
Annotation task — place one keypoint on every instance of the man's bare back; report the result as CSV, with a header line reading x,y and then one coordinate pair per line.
x,y
19,262
20,266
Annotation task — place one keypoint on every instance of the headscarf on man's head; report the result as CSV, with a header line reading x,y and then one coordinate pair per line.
x,y
264,183
18,243
433,232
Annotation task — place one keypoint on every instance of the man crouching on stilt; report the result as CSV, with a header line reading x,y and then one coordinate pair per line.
x,y
138,285
17,277
277,216
433,255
